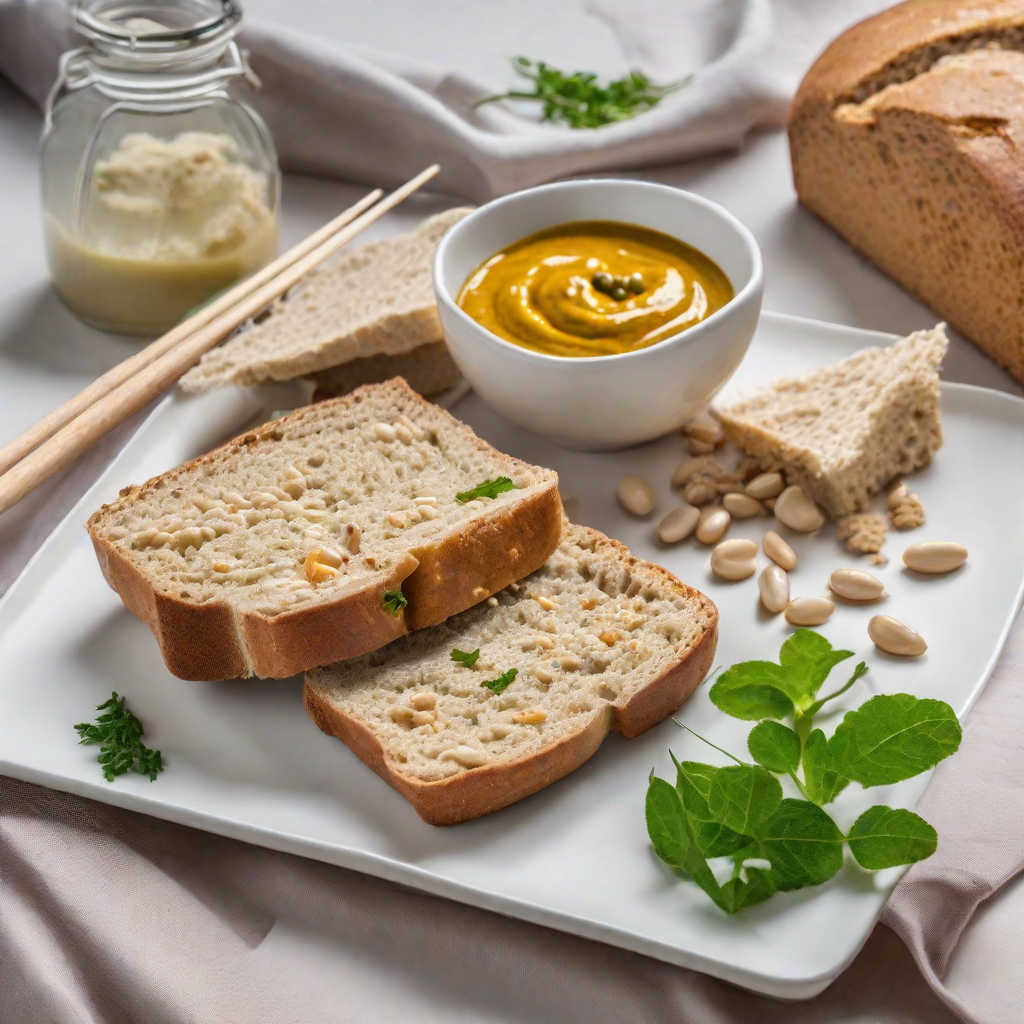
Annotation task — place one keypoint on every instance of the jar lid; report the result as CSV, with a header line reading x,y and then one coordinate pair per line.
x,y
157,26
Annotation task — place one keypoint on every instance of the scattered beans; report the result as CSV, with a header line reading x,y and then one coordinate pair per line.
x,y
893,637
704,427
856,585
742,506
935,556
809,611
765,485
728,485
688,467
698,447
794,509
773,585
712,525
678,524
636,495
700,491
779,551
734,559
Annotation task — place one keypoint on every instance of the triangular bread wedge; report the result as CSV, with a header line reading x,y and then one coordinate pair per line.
x,y
600,641
844,431
297,543
375,301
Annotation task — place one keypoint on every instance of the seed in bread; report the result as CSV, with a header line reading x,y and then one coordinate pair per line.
x,y
278,551
844,431
600,641
375,301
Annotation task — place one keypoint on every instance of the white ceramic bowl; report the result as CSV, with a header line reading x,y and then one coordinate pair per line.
x,y
602,402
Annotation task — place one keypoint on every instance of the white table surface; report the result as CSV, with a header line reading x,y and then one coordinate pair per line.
x,y
46,355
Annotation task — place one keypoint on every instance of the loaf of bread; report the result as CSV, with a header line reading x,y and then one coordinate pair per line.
x,y
323,535
367,316
843,432
905,137
594,641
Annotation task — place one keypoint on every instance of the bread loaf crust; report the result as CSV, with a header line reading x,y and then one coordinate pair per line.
x,y
914,161
488,788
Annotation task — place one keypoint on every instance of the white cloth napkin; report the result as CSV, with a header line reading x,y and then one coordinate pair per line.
x,y
377,95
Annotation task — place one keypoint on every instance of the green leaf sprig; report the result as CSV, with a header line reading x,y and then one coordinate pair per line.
x,y
467,658
119,734
777,843
579,101
488,489
502,683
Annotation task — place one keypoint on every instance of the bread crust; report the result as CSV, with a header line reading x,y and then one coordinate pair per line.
x,y
919,171
214,640
478,791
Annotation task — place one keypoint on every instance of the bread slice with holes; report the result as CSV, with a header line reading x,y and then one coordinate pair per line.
x,y
323,535
598,641
844,431
367,316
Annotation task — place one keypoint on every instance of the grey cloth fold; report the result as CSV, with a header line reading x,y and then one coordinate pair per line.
x,y
367,113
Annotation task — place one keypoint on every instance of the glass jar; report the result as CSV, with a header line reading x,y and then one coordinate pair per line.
x,y
159,184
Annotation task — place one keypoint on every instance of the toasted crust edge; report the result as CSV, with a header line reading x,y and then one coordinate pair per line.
x,y
212,641
480,791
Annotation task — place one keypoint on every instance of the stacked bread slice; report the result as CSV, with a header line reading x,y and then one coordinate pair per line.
x,y
325,537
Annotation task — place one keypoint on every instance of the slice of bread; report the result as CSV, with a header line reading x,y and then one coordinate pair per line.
x,y
428,370
277,552
374,301
844,431
600,641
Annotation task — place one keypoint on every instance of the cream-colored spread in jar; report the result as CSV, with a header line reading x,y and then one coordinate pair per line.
x,y
167,224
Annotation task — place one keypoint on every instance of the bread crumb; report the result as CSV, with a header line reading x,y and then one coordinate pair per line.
x,y
863,532
879,560
907,512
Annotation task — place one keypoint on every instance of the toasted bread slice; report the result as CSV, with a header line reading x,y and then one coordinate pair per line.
x,y
297,543
375,301
844,431
599,641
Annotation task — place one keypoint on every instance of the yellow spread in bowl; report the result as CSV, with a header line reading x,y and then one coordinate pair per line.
x,y
594,288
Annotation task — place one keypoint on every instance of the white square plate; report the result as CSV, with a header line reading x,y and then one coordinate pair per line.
x,y
243,759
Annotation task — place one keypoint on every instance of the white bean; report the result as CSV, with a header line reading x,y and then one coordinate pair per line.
x,y
636,495
893,637
856,585
688,467
765,485
741,506
678,524
794,509
712,525
704,427
773,585
734,559
809,611
779,551
934,556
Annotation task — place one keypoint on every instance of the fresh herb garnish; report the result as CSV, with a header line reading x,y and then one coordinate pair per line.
x,y
467,658
394,600
778,843
120,734
579,101
488,489
501,684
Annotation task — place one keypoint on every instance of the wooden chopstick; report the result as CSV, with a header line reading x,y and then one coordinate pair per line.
x,y
131,395
17,449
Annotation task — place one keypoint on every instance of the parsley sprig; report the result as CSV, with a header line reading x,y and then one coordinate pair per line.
x,y
393,601
502,683
119,733
467,658
777,843
578,100
488,489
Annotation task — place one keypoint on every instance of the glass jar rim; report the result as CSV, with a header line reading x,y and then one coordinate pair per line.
x,y
123,26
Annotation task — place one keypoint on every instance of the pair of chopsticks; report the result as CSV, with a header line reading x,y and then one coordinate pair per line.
x,y
58,439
